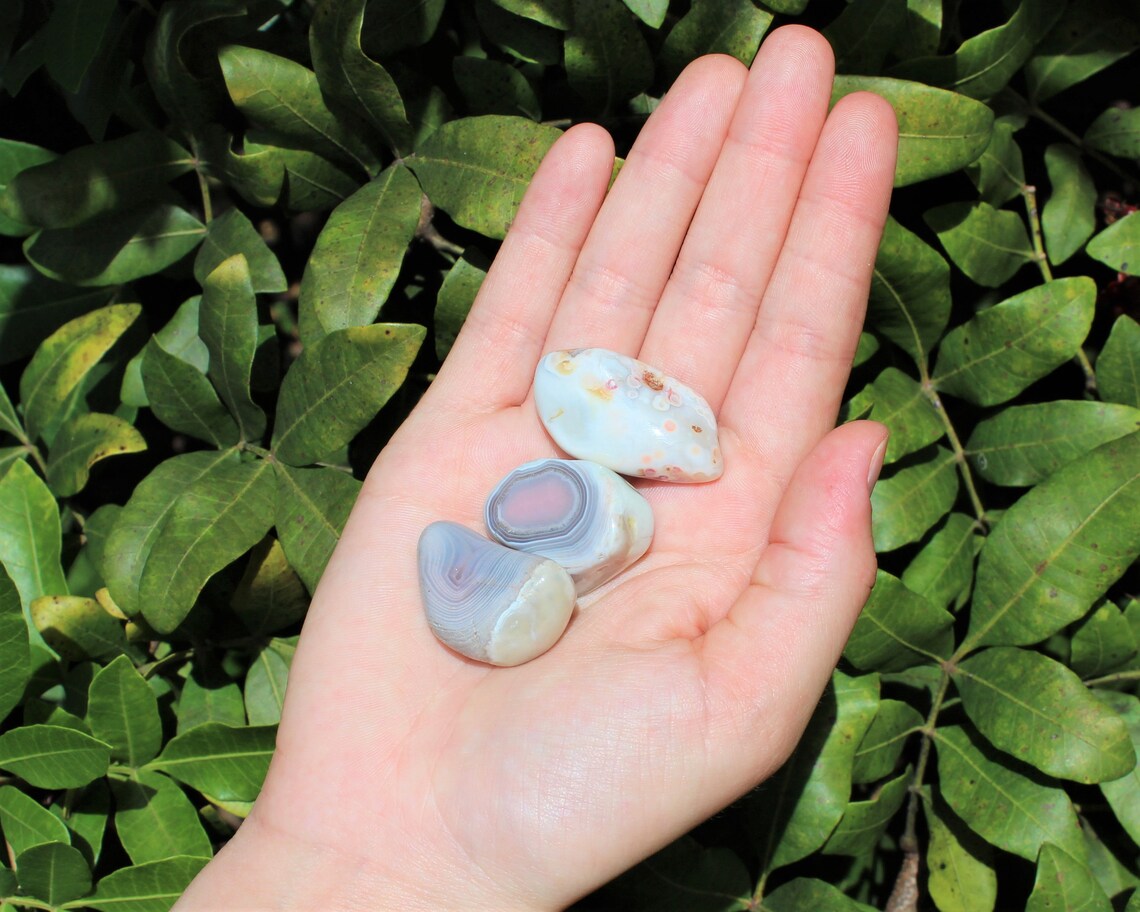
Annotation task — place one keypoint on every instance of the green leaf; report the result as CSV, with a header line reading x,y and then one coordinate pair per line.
x,y
607,60
229,234
93,180
32,306
116,248
897,629
983,64
910,292
900,403
51,757
1118,245
28,823
140,524
808,893
1036,709
1011,345
150,887
284,97
958,880
987,244
183,399
338,385
944,569
520,37
77,627
312,508
1103,641
651,12
1025,444
74,33
83,441
358,254
456,295
351,77
494,87
64,360
684,877
1118,366
864,822
554,13
1068,218
911,498
214,520
940,132
999,174
1057,550
797,809
53,872
1088,37
1123,794
86,819
477,168
155,819
732,27
15,157
30,534
922,31
864,33
265,683
271,595
1000,805
122,711
15,658
221,762
1117,132
878,753
1065,883
400,24
209,697
227,323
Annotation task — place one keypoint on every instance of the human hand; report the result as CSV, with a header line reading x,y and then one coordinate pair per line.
x,y
734,251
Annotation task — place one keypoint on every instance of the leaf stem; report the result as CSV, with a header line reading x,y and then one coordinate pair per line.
x,y
1049,120
1117,677
203,184
956,446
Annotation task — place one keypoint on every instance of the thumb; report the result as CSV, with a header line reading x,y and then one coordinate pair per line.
x,y
771,657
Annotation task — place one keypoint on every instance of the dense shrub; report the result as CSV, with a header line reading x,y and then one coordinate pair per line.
x,y
207,206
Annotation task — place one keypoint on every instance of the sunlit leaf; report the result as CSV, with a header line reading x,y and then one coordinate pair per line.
x,y
1117,132
1002,806
337,385
1005,348
732,27
1057,550
1102,641
1118,366
984,63
30,534
1068,218
122,711
312,508
912,497
150,887
1064,883
809,893
477,168
64,360
265,683
51,757
77,627
358,254
999,174
155,820
183,399
1123,794
899,402
878,753
1036,709
987,244
897,628
231,233
1118,245
83,441
218,760
939,131
456,295
15,658
53,872
864,822
944,569
958,879
26,822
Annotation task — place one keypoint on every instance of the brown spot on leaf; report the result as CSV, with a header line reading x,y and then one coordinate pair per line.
x,y
1040,568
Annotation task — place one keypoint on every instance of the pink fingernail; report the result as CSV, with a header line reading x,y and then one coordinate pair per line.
x,y
876,465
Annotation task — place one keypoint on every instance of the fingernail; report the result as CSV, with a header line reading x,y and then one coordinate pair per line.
x,y
876,465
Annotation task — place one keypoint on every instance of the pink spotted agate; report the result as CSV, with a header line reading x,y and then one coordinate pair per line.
x,y
626,415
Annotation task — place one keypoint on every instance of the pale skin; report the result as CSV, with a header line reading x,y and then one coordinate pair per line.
x,y
734,251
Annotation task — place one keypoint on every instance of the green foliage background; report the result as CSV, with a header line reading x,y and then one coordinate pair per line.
x,y
238,238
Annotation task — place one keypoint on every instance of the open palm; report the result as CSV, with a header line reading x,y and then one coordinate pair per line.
x,y
734,251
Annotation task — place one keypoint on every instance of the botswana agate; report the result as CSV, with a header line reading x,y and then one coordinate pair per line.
x,y
580,514
489,602
626,415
